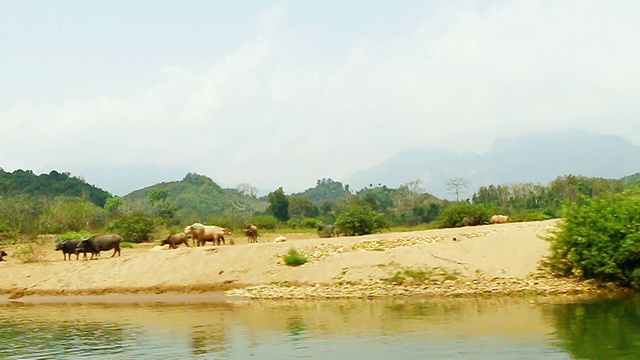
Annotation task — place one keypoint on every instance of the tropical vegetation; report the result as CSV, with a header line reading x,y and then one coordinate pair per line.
x,y
598,238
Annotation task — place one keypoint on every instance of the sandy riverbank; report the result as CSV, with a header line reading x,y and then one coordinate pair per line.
x,y
489,259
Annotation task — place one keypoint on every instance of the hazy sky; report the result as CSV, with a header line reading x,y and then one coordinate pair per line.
x,y
130,93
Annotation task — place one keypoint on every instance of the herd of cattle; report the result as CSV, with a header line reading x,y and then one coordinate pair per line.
x,y
200,235
198,232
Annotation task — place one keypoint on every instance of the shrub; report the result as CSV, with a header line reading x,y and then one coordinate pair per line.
x,y
133,228
453,215
304,223
30,253
225,221
294,258
360,220
600,239
529,215
4,228
72,235
267,222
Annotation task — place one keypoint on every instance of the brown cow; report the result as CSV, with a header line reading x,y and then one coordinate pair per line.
x,y
252,233
175,240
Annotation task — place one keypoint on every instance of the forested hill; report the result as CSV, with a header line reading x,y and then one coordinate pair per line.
x,y
52,184
197,196
632,179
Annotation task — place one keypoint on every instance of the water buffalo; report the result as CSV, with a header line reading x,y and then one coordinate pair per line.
x,y
327,231
68,248
252,233
471,221
98,243
3,254
203,233
175,240
500,219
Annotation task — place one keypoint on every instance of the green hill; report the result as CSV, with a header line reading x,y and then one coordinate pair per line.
x,y
632,179
197,198
21,182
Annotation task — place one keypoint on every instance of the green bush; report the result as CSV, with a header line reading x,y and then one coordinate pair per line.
x,y
72,235
294,258
454,215
133,228
304,223
600,239
360,220
4,228
529,215
225,221
267,222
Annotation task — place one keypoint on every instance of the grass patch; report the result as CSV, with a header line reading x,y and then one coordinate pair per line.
x,y
294,258
30,253
8,242
126,244
418,227
422,276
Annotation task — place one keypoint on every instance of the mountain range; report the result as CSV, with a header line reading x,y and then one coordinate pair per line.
x,y
533,158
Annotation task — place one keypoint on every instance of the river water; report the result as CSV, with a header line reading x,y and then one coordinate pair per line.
x,y
497,328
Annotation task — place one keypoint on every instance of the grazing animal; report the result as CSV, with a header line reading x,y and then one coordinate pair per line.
x,y
203,233
175,240
98,243
500,219
280,239
471,221
3,254
327,231
252,233
69,248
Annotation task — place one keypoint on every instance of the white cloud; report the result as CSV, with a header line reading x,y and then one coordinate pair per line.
x,y
267,114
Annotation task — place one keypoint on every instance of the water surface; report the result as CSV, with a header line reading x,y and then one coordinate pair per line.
x,y
503,328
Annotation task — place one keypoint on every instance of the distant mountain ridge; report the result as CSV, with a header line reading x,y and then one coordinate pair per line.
x,y
534,158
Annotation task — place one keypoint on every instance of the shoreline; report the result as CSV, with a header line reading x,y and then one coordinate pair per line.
x,y
534,286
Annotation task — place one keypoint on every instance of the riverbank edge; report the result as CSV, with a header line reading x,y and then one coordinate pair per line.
x,y
534,285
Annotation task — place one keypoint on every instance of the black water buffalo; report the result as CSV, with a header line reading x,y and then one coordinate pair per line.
x,y
98,243
175,240
472,221
252,233
68,248
3,254
327,231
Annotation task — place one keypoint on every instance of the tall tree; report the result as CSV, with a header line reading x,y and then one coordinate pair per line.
x,y
246,189
278,204
303,207
456,186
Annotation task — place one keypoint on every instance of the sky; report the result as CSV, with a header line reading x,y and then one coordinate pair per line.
x,y
127,94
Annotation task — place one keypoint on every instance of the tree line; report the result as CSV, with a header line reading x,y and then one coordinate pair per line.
x,y
58,203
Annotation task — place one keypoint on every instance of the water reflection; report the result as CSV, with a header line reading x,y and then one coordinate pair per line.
x,y
446,328
602,329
